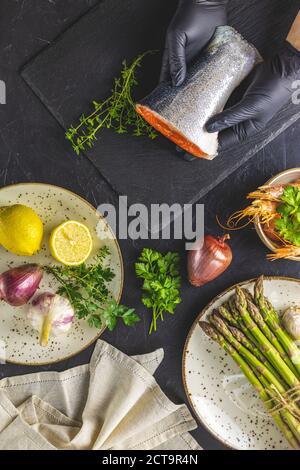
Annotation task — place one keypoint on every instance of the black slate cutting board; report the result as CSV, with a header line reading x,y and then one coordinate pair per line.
x,y
81,64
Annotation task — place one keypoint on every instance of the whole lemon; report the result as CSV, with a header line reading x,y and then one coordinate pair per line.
x,y
21,230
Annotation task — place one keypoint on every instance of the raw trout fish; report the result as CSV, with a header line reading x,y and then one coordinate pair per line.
x,y
180,113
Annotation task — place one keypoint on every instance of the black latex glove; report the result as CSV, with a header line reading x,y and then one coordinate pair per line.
x,y
191,28
271,88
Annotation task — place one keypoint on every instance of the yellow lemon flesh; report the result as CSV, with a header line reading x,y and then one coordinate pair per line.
x,y
71,243
21,230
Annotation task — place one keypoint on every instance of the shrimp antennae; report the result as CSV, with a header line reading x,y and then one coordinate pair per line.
x,y
287,251
264,211
231,227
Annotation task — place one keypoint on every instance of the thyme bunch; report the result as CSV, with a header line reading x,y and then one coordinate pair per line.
x,y
116,112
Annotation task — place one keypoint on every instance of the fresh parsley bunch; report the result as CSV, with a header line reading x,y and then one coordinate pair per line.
x,y
161,282
86,287
288,225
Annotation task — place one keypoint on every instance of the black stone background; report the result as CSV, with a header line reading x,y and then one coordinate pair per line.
x,y
33,149
82,63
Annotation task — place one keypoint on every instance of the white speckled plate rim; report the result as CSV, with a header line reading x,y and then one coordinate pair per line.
x,y
104,228
200,316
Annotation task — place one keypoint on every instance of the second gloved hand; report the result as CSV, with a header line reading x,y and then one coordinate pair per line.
x,y
273,83
191,28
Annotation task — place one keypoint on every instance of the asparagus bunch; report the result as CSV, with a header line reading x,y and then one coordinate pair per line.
x,y
248,328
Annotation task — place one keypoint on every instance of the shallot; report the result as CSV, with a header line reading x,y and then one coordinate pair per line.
x,y
18,285
209,258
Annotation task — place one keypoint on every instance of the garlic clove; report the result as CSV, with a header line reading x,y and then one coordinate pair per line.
x,y
291,322
50,314
46,330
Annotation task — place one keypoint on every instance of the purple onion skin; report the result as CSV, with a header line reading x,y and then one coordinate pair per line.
x,y
18,285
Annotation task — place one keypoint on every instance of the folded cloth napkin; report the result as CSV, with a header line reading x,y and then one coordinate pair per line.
x,y
113,403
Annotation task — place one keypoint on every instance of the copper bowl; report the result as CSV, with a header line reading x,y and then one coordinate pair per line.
x,y
287,176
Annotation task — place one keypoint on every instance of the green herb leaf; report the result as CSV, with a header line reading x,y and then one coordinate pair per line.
x,y
87,288
160,274
288,225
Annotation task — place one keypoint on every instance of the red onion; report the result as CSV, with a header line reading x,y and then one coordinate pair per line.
x,y
18,285
208,260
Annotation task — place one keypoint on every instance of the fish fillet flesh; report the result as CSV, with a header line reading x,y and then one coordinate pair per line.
x,y
180,113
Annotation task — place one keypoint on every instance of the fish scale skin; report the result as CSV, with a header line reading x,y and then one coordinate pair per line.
x,y
210,81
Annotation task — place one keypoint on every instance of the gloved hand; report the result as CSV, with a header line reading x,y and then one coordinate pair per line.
x,y
191,28
271,88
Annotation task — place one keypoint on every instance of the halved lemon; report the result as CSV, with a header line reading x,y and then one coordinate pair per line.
x,y
71,243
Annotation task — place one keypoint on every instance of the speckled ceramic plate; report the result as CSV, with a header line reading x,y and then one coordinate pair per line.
x,y
223,400
18,342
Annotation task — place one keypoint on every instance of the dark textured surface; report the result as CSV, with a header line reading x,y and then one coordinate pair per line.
x,y
33,148
80,67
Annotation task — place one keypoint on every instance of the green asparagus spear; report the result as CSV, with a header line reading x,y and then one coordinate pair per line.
x,y
291,423
210,331
272,321
242,339
248,333
225,313
259,320
248,295
236,315
257,317
234,311
270,352
245,353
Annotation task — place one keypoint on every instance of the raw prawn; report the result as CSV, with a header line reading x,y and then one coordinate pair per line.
x,y
263,210
271,193
287,251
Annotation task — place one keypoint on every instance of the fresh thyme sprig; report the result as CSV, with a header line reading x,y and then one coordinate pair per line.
x,y
116,112
86,287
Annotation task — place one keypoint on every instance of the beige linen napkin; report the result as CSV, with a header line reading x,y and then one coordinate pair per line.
x,y
112,403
